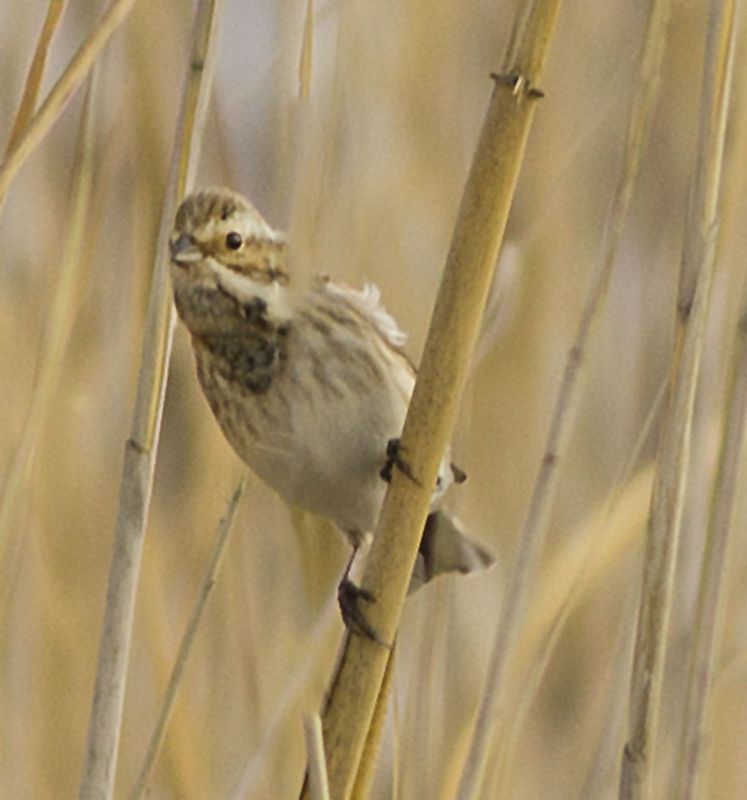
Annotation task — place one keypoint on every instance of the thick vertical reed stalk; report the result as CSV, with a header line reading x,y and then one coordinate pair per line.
x,y
535,524
137,478
674,448
451,339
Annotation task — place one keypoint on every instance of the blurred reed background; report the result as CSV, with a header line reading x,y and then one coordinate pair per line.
x,y
367,173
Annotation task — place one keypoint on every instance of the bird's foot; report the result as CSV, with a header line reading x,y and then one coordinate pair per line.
x,y
349,597
394,459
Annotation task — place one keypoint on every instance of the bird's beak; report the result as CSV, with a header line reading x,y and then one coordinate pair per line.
x,y
184,250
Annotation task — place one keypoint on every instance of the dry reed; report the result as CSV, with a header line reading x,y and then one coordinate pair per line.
x,y
535,525
667,502
352,125
140,451
453,332
27,139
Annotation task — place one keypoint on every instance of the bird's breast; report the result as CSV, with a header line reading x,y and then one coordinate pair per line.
x,y
247,362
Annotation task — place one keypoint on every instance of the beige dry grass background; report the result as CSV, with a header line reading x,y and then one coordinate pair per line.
x,y
367,172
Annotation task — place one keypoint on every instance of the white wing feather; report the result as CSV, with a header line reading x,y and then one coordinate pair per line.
x,y
367,301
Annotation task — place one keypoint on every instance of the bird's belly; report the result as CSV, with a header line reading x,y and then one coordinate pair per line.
x,y
347,493
321,454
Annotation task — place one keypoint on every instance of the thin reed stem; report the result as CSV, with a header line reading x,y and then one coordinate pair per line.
x,y
305,61
140,452
707,628
55,339
36,72
185,646
535,525
566,580
665,520
54,103
318,783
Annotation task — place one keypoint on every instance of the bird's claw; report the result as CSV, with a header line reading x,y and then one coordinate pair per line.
x,y
394,459
349,597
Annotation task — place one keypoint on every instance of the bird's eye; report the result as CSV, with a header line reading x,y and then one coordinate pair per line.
x,y
234,241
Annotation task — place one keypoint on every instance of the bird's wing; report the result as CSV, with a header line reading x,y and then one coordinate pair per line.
x,y
366,302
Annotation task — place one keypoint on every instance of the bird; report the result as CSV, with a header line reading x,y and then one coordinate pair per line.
x,y
311,393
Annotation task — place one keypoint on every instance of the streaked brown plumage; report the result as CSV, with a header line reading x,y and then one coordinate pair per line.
x,y
309,395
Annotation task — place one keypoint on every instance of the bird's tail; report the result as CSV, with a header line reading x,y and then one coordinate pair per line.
x,y
445,548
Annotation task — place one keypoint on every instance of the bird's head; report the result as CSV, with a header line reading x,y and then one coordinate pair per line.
x,y
222,245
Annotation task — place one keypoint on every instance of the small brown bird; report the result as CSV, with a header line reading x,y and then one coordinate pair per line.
x,y
308,395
